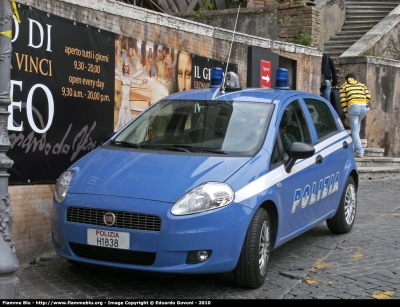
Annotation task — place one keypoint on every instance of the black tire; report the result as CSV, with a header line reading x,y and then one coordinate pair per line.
x,y
343,221
251,269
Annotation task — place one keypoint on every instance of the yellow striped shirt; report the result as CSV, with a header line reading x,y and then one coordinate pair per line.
x,y
353,92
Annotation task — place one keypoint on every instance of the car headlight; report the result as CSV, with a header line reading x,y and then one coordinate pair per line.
x,y
208,196
62,185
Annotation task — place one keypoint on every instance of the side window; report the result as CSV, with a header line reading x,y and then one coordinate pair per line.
x,y
322,117
293,126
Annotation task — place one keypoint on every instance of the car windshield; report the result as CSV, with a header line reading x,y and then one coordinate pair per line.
x,y
220,127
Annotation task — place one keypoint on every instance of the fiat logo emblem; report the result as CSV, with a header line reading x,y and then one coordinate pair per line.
x,y
109,218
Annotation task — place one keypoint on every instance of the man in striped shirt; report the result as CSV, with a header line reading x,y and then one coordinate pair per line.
x,y
354,97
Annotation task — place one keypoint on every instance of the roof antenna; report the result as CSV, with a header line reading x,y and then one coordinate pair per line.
x,y
226,69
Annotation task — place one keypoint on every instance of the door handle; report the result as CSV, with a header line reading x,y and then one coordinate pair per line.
x,y
345,145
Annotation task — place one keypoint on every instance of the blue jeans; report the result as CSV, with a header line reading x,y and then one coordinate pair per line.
x,y
356,114
326,93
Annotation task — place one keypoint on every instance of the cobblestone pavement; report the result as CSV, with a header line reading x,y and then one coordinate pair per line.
x,y
363,264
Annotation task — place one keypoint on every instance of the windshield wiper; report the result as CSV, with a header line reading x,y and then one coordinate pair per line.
x,y
174,147
181,147
212,150
125,143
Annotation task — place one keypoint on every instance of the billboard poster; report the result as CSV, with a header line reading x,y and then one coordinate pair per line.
x,y
62,94
72,85
202,70
146,72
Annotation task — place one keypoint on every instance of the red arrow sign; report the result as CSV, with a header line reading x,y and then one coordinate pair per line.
x,y
265,79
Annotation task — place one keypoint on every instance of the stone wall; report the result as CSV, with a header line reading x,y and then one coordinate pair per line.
x,y
388,47
332,14
299,24
381,127
259,21
290,21
374,59
31,204
381,41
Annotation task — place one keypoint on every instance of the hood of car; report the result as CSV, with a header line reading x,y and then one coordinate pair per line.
x,y
148,175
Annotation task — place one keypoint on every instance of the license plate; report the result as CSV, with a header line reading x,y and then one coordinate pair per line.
x,y
108,238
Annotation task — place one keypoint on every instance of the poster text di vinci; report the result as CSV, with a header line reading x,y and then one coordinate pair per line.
x,y
61,94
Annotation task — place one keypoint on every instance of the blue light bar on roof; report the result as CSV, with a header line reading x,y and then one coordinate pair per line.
x,y
282,79
216,77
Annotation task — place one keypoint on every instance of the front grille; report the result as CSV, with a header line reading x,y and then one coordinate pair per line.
x,y
112,255
127,220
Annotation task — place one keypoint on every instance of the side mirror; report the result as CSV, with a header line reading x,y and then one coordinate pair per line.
x,y
298,150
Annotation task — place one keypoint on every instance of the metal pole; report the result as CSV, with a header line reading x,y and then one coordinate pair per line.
x,y
9,264
230,49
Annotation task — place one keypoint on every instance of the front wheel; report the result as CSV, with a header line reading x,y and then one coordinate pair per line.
x,y
251,269
343,220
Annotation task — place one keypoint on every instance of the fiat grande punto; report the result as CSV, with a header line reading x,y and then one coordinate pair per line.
x,y
209,181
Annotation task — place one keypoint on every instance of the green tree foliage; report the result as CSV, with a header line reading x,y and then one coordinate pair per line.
x,y
204,5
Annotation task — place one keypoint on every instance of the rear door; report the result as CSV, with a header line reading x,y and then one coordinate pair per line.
x,y
331,145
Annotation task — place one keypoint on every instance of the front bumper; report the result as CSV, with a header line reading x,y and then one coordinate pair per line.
x,y
222,231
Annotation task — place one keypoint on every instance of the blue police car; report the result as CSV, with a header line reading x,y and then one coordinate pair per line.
x,y
208,181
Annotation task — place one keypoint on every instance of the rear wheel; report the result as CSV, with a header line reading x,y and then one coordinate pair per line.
x,y
343,220
251,270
